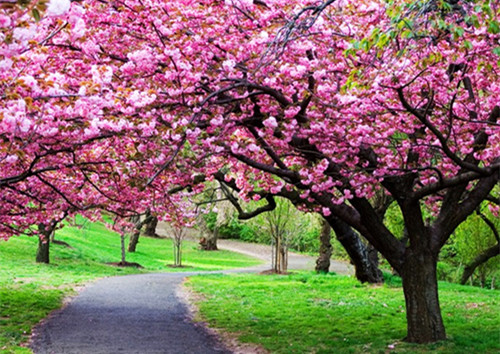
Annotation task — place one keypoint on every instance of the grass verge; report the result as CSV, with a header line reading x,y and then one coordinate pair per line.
x,y
30,291
310,313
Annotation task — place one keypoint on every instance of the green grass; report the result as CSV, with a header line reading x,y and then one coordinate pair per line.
x,y
309,313
29,291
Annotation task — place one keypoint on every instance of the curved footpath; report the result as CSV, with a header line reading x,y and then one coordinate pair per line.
x,y
141,314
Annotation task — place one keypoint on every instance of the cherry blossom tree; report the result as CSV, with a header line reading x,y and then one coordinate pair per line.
x,y
65,144
325,103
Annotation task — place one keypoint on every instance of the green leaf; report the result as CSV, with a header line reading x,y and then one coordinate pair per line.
x,y
496,51
36,14
494,27
468,45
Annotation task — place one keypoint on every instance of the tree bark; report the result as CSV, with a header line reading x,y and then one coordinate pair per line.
x,y
122,246
151,227
423,314
209,243
366,270
43,251
325,248
134,238
284,258
372,254
480,259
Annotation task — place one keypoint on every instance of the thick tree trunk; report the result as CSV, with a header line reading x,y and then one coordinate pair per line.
x,y
151,227
325,248
423,314
372,254
480,259
366,270
43,251
209,243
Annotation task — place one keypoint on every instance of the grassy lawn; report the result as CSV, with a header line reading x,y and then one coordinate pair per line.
x,y
309,313
29,291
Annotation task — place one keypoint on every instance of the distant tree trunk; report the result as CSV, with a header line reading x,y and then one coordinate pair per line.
x,y
209,241
134,238
177,249
122,243
279,262
283,258
178,235
325,248
47,232
43,251
366,270
151,226
480,259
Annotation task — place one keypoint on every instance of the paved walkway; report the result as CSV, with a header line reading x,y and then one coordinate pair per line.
x,y
295,261
141,314
134,314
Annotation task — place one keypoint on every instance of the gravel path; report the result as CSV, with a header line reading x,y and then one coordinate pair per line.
x,y
142,313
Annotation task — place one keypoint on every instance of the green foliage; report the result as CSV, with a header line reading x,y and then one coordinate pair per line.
x,y
40,288
470,239
394,220
210,219
307,240
309,313
234,229
449,272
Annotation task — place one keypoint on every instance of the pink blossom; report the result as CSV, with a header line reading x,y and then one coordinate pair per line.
x,y
5,21
58,7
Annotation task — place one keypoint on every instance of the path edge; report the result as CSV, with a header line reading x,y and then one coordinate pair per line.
x,y
38,330
229,340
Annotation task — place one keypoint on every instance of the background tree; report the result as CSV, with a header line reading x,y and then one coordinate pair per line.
x,y
325,248
283,223
177,236
151,224
477,245
224,211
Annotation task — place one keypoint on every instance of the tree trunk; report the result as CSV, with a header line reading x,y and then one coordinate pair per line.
x,y
366,270
480,259
325,248
177,254
134,238
122,244
151,227
209,243
284,258
423,314
372,254
43,251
